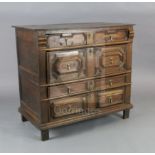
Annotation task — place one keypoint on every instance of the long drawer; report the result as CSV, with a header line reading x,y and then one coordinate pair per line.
x,y
94,37
64,90
79,64
87,102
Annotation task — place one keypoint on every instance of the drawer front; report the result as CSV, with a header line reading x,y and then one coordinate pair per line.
x,y
107,98
67,106
66,39
110,82
78,64
111,59
67,89
107,36
66,65
72,38
64,90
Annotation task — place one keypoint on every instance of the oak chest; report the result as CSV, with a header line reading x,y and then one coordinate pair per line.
x,y
73,72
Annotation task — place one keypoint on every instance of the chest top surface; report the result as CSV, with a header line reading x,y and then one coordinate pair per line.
x,y
66,26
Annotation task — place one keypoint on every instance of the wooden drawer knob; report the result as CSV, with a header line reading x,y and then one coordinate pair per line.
x,y
109,38
68,67
111,60
69,109
68,90
110,99
110,82
90,85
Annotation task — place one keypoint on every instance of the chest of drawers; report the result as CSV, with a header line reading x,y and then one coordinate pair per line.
x,y
73,72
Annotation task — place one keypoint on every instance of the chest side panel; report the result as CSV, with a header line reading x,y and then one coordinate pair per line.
x,y
28,68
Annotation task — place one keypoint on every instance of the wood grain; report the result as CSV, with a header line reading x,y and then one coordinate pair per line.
x,y
73,72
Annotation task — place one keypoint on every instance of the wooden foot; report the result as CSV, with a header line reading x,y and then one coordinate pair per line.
x,y
23,118
44,135
126,113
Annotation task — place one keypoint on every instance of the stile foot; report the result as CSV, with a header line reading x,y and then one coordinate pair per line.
x,y
44,135
23,118
126,113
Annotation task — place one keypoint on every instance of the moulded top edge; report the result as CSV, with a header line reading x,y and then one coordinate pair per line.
x,y
67,26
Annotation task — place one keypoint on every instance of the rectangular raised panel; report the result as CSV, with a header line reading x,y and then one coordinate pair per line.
x,y
67,106
66,39
111,59
67,89
107,98
111,36
67,62
66,65
110,82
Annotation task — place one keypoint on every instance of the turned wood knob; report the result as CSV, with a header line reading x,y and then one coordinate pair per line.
x,y
68,66
110,82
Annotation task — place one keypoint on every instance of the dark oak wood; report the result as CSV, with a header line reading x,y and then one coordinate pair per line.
x,y
44,135
73,26
23,118
73,72
126,113
91,114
